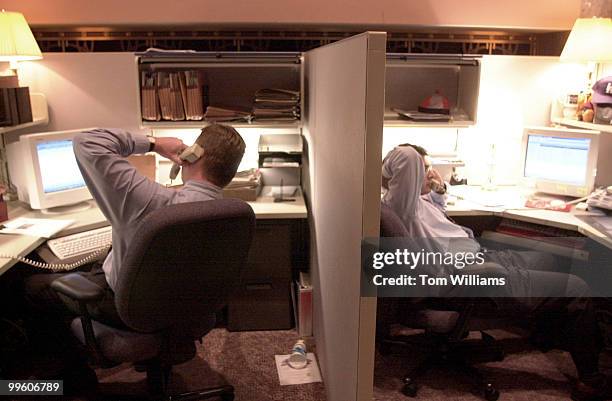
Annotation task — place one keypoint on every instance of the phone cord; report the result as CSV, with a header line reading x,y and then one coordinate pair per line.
x,y
59,266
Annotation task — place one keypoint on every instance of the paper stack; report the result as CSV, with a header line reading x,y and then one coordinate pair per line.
x,y
276,104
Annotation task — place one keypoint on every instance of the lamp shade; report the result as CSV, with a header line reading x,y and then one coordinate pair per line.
x,y
16,40
589,41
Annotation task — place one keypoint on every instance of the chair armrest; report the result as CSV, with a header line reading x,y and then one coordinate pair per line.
x,y
77,287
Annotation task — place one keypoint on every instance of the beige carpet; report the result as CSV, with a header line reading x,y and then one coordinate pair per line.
x,y
243,359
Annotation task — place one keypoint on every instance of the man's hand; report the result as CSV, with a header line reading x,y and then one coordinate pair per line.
x,y
170,148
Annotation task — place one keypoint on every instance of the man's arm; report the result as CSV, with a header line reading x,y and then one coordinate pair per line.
x,y
122,193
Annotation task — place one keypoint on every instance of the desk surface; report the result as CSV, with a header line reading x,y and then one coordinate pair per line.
x,y
515,196
91,218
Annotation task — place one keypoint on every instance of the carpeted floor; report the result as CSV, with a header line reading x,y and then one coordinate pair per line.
x,y
525,374
246,360
243,359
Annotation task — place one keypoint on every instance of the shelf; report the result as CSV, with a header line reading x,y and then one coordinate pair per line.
x,y
40,114
581,124
397,122
200,124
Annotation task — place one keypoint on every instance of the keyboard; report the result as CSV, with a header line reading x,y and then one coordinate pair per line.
x,y
81,243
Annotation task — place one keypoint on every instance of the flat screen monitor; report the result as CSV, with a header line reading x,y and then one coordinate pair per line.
x,y
45,171
560,161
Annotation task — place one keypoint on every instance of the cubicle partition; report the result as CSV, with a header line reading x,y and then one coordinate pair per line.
x,y
343,129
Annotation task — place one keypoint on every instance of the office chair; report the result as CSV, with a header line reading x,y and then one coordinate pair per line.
x,y
184,261
446,328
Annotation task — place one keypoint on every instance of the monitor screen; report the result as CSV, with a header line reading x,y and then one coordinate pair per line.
x,y
559,159
58,167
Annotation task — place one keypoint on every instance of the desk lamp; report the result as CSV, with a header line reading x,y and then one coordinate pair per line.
x,y
17,42
590,41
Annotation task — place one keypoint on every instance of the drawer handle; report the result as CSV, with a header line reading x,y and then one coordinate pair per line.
x,y
258,287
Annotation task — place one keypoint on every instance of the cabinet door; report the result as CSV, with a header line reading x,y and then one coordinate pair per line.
x,y
270,254
263,300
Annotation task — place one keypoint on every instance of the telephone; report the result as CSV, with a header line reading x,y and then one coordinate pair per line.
x,y
190,155
601,198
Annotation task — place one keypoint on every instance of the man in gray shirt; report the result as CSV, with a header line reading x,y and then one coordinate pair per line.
x,y
125,196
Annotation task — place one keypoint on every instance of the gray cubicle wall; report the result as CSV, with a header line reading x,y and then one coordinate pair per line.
x,y
85,89
343,129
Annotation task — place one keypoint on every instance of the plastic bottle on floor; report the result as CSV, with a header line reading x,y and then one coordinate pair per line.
x,y
298,359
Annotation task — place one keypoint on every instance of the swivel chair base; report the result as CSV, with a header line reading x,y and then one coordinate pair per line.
x,y
453,355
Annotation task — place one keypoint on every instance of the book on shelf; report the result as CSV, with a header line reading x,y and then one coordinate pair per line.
x,y
15,106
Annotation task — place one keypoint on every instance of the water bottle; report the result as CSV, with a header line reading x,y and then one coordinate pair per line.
x,y
297,359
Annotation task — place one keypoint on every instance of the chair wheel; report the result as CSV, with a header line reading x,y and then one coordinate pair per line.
x,y
410,388
491,394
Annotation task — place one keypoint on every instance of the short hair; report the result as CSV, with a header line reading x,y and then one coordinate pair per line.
x,y
223,150
420,150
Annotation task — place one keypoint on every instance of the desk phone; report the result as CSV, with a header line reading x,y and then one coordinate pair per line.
x,y
601,198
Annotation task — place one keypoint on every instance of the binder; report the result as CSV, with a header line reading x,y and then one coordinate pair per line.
x,y
24,107
149,101
192,95
8,107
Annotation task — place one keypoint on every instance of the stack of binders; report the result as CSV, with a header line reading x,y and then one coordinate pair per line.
x,y
170,98
172,95
276,105
15,106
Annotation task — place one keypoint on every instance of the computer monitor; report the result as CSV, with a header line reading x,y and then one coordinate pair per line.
x,y
44,170
560,161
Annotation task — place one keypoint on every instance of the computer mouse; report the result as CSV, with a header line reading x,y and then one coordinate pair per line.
x,y
557,204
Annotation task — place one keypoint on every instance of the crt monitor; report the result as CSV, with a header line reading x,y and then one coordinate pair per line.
x,y
560,161
45,172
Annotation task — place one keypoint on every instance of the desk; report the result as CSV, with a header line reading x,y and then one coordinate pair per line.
x,y
280,245
516,196
21,245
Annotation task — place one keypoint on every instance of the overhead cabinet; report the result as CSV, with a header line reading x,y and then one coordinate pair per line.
x,y
182,89
410,79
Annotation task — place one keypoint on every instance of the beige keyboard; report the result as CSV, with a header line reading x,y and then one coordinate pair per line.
x,y
81,243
